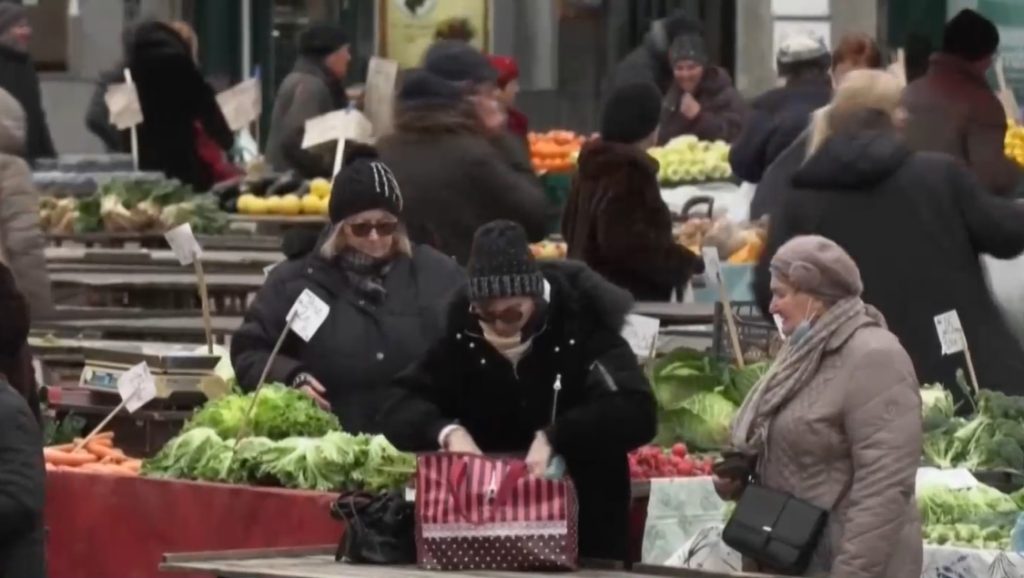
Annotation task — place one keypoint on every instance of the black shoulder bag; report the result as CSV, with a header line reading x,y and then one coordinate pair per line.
x,y
380,529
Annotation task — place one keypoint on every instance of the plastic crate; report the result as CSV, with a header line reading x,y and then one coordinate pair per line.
x,y
759,339
739,283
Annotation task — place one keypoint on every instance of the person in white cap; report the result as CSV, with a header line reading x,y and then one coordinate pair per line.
x,y
779,116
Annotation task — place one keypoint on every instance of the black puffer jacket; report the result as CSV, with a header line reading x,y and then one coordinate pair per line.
x,y
776,120
360,347
455,179
604,410
915,223
174,96
22,489
18,77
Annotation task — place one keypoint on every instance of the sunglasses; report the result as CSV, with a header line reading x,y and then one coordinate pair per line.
x,y
508,316
384,229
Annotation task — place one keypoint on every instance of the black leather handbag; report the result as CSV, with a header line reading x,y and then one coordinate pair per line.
x,y
775,529
380,529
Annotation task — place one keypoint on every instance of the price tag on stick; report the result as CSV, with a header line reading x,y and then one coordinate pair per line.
x,y
379,99
188,251
713,274
241,104
641,333
954,340
136,387
126,110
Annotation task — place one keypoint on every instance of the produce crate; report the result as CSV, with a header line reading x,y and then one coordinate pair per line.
x,y
759,339
556,187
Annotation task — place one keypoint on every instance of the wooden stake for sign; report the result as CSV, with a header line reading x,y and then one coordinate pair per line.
x,y
204,299
242,431
730,323
102,425
970,367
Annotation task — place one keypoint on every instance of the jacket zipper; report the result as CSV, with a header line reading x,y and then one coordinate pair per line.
x,y
492,489
554,402
605,376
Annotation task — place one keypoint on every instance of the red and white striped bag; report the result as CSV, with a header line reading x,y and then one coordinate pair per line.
x,y
479,513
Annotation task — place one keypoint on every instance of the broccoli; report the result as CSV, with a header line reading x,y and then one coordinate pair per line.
x,y
999,453
940,450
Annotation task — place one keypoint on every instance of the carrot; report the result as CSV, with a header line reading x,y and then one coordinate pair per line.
x,y
102,451
50,467
108,469
62,447
104,435
106,442
133,465
59,458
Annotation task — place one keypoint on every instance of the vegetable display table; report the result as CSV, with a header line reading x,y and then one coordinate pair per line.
x,y
84,259
117,526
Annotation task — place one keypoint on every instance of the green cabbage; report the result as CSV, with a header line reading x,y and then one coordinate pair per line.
x,y
182,456
280,413
703,421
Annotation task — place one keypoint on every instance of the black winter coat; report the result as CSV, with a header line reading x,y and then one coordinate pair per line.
x,y
454,179
646,63
360,347
617,223
604,409
776,120
22,489
722,110
915,223
18,77
174,96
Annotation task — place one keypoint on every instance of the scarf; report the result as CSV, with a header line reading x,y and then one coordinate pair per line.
x,y
366,274
792,371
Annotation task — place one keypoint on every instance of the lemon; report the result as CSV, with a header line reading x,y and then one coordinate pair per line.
x,y
310,205
320,188
290,205
274,204
324,206
257,206
245,203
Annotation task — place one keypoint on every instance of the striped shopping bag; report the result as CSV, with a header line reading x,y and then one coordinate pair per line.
x,y
479,513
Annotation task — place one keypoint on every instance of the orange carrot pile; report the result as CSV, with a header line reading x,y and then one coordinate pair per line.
x,y
99,456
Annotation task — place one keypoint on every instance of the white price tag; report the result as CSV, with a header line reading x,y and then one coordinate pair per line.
x,y
337,125
641,333
123,103
308,314
241,104
712,265
951,333
137,387
184,244
379,98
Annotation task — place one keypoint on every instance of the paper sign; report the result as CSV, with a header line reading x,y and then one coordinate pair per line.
x,y
241,104
712,265
951,333
337,125
184,244
308,314
641,333
137,387
379,98
269,268
123,103
339,158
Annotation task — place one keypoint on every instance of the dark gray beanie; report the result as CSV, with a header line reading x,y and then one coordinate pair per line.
x,y
631,113
456,61
11,13
501,264
688,47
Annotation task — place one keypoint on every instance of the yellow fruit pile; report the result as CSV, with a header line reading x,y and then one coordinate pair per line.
x,y
1013,145
314,203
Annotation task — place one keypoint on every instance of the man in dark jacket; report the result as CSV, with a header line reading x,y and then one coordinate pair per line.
x,y
649,62
779,116
615,219
702,100
953,110
386,309
174,96
458,166
315,86
22,477
533,360
915,223
18,77
97,114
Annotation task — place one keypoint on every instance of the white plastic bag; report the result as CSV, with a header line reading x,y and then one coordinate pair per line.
x,y
1006,282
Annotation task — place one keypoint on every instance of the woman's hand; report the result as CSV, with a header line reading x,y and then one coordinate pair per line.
x,y
313,389
539,457
689,106
460,441
729,489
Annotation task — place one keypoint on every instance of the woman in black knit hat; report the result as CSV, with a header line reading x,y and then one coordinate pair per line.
x,y
615,219
533,361
387,300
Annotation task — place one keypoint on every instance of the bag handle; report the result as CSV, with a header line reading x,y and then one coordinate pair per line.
x,y
457,480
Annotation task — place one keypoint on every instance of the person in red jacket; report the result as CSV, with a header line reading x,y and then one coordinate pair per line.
x,y
508,88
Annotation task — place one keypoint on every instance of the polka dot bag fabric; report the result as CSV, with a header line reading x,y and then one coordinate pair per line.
x,y
478,513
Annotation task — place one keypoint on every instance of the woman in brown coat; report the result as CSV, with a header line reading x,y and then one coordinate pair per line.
x,y
837,420
615,219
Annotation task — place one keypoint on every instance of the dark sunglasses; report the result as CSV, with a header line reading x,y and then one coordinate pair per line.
x,y
508,316
385,229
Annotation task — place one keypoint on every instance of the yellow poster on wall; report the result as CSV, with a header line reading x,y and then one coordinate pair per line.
x,y
408,27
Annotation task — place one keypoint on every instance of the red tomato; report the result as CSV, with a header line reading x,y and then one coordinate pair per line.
x,y
680,450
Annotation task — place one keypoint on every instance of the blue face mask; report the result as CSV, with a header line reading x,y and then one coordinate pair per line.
x,y
803,329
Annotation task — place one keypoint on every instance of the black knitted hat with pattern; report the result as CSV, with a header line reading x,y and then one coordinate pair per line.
x,y
501,264
364,184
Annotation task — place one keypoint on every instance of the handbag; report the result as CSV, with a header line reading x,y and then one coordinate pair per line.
x,y
775,529
379,528
480,513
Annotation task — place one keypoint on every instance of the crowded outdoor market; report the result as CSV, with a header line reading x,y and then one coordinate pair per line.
x,y
396,288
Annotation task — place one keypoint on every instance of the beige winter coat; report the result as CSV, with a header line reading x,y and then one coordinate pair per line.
x,y
859,419
22,242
